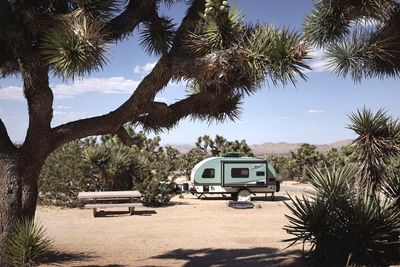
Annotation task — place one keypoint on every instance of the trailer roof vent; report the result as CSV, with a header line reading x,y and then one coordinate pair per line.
x,y
232,155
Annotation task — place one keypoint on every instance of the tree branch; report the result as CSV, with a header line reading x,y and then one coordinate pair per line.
x,y
142,99
135,12
40,101
210,66
125,138
138,103
204,105
5,142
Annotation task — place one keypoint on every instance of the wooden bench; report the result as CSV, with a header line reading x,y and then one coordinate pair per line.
x,y
111,199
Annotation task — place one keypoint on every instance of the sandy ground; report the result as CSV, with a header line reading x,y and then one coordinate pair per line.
x,y
190,232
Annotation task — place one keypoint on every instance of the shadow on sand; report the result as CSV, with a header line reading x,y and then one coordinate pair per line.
x,y
105,213
62,257
57,258
253,198
235,257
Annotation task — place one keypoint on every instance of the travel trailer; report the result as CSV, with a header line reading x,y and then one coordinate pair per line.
x,y
231,174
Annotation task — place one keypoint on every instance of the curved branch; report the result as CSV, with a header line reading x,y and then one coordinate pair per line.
x,y
135,12
205,105
126,139
142,99
210,66
138,103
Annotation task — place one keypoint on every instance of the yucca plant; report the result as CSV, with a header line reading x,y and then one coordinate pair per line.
x,y
312,217
378,141
309,225
369,231
391,186
361,36
27,243
340,222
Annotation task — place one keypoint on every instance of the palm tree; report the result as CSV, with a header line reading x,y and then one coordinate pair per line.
x,y
361,37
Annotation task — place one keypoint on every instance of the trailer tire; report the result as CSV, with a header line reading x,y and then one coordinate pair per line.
x,y
234,195
244,195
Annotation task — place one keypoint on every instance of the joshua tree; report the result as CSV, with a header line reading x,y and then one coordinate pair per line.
x,y
361,36
219,146
305,157
213,49
377,143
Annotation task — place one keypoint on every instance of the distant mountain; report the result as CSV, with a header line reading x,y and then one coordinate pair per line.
x,y
281,148
284,148
183,148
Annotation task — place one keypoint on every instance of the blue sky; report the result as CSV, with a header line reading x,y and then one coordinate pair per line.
x,y
315,111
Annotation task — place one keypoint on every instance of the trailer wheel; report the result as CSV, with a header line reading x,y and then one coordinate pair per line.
x,y
244,195
234,196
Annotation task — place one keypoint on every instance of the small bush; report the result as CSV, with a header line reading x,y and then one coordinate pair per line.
x,y
27,243
157,187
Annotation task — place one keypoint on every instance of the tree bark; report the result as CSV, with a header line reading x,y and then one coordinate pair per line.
x,y
10,199
30,178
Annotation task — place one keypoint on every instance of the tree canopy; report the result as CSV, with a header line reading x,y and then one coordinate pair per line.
x,y
361,36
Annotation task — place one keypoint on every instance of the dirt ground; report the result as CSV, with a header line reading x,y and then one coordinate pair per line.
x,y
190,232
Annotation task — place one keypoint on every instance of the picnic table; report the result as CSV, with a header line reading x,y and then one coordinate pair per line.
x,y
110,199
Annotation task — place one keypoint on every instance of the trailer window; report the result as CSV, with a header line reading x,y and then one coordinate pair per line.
x,y
240,173
260,173
208,173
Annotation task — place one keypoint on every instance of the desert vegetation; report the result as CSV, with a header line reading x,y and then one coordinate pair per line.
x,y
105,164
353,215
220,57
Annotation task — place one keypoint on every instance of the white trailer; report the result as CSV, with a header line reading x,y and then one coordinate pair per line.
x,y
235,175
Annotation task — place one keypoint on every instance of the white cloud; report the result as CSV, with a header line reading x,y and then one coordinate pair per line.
x,y
112,85
145,69
160,99
319,61
314,111
11,93
62,107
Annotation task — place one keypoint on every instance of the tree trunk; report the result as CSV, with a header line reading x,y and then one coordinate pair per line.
x,y
29,194
18,193
10,199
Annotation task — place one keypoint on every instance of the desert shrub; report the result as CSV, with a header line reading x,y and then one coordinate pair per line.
x,y
64,174
106,164
27,244
190,159
116,165
157,186
342,223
